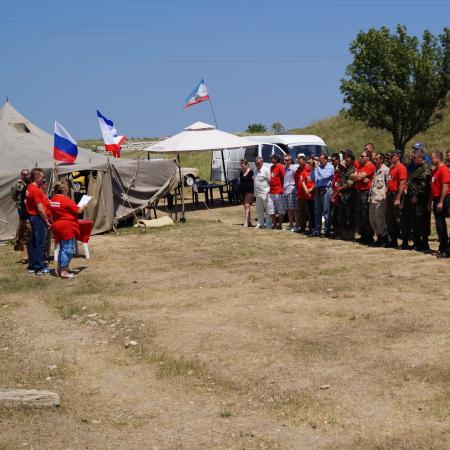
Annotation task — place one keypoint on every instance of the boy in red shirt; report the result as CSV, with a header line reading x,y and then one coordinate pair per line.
x,y
276,204
397,178
35,201
363,176
439,196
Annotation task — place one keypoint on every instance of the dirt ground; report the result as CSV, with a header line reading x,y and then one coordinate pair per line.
x,y
246,339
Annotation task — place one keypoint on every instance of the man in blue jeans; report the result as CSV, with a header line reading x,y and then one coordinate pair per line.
x,y
34,203
322,176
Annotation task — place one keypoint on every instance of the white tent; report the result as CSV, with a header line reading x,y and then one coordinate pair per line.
x,y
199,137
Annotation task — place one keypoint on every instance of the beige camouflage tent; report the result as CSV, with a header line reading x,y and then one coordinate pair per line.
x,y
120,188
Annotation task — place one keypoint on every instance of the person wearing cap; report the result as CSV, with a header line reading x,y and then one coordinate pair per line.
x,y
276,205
290,192
347,198
377,201
397,179
417,198
439,197
322,175
363,177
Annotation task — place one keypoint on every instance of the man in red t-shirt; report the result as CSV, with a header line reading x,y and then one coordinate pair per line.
x,y
305,193
35,201
363,176
397,178
276,206
439,196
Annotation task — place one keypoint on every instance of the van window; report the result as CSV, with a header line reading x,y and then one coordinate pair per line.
x,y
250,154
266,152
307,150
279,152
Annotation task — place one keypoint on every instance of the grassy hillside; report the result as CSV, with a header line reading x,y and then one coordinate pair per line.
x,y
341,132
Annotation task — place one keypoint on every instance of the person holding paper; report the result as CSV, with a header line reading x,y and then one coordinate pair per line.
x,y
65,227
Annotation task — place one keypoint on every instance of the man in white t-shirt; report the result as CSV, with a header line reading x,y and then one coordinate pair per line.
x,y
262,187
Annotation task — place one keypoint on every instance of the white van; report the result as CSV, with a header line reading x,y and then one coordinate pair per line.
x,y
282,144
233,157
308,144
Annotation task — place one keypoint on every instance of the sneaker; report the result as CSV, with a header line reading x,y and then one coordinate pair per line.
x,y
31,271
41,272
316,235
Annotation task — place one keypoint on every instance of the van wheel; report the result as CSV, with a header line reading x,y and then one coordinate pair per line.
x,y
189,180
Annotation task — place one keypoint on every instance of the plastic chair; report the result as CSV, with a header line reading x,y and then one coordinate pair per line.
x,y
198,188
233,192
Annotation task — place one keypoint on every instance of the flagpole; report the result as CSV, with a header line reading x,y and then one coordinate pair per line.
x,y
221,151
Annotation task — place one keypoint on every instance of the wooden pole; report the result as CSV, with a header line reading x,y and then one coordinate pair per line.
x,y
221,151
182,218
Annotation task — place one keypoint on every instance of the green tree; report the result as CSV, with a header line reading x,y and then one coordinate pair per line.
x,y
397,82
254,128
278,128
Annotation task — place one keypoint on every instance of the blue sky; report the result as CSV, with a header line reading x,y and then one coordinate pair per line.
x,y
137,60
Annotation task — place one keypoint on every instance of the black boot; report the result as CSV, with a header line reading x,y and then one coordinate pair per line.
x,y
378,243
405,245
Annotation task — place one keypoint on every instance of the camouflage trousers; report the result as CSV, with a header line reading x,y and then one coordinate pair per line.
x,y
22,235
418,220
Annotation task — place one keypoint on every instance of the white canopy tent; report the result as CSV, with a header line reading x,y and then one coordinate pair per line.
x,y
199,137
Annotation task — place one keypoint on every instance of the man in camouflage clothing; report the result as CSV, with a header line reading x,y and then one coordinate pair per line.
x,y
418,194
347,199
18,190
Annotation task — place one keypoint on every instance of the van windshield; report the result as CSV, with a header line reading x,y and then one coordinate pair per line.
x,y
307,150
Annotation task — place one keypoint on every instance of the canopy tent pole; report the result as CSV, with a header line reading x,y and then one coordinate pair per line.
x,y
221,151
182,218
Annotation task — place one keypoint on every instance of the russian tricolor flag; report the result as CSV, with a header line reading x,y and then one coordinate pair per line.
x,y
198,95
65,147
111,139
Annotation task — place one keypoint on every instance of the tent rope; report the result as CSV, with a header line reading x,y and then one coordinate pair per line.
x,y
119,182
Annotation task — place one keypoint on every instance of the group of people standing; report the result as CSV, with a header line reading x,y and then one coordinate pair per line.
x,y
41,217
388,203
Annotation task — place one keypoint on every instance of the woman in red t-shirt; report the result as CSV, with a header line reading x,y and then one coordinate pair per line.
x,y
65,227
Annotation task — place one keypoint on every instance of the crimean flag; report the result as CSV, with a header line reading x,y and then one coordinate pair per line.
x,y
110,138
198,95
65,147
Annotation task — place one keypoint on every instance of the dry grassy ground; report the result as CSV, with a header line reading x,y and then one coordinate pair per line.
x,y
239,332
